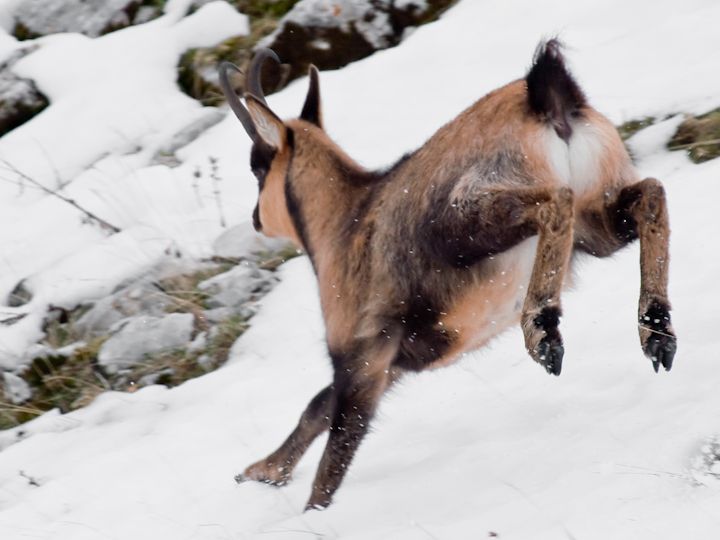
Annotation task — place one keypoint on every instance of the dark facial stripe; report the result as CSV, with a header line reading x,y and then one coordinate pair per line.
x,y
292,201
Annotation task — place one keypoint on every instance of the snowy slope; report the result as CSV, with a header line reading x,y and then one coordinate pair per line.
x,y
491,444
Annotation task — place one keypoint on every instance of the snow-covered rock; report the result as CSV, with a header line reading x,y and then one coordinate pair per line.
x,y
93,18
16,390
20,99
145,335
241,240
140,298
333,33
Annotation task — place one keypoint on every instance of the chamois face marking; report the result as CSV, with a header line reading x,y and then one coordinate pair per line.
x,y
270,161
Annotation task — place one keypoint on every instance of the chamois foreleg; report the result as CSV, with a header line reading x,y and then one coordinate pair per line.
x,y
362,374
639,211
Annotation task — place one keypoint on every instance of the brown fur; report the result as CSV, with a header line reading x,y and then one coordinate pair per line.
x,y
470,234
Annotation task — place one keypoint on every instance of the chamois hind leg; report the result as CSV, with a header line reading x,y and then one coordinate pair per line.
x,y
639,211
496,219
277,468
362,374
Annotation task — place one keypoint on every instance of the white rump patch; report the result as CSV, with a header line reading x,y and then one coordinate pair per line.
x,y
577,164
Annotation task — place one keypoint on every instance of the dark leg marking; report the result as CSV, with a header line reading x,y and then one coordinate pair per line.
x,y
361,377
550,350
660,345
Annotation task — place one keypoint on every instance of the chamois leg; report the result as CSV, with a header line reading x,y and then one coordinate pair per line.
x,y
277,468
639,211
496,220
656,333
541,310
361,377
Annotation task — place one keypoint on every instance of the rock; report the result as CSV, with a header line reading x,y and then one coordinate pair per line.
x,y
20,295
145,335
156,378
166,154
35,18
139,298
199,343
16,390
237,286
218,315
331,34
241,242
20,100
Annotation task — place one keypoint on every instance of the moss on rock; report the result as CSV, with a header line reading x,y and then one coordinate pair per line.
x,y
699,136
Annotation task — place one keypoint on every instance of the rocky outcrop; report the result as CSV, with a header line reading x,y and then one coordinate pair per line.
x,y
327,33
35,18
331,34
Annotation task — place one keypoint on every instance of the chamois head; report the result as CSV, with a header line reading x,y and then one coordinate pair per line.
x,y
273,143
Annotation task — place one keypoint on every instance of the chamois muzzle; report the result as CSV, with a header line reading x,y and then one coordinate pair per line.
x,y
253,86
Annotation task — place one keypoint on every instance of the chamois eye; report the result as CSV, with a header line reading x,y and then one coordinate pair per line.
x,y
259,172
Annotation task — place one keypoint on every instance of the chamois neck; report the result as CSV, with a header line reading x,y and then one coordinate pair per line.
x,y
326,190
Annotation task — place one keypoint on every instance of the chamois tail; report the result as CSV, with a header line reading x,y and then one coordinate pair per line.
x,y
553,94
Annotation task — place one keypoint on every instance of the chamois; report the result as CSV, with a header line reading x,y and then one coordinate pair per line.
x,y
467,235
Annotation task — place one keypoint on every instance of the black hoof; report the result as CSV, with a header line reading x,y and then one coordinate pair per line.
x,y
317,505
549,352
550,355
660,348
661,343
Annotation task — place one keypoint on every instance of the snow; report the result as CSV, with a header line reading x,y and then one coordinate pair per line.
x,y
492,444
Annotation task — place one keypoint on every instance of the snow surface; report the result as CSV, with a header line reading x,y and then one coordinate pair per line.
x,y
491,445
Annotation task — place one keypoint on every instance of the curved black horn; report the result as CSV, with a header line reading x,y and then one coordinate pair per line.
x,y
234,101
254,79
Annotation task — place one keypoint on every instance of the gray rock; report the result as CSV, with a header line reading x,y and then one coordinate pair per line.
x,y
35,18
20,295
144,335
199,343
218,315
241,242
16,390
139,298
237,286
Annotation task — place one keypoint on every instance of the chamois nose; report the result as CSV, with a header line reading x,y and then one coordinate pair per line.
x,y
256,219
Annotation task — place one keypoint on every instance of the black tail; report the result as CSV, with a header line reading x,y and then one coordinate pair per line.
x,y
553,94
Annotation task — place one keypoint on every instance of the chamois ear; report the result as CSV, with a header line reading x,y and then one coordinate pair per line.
x,y
269,127
311,111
